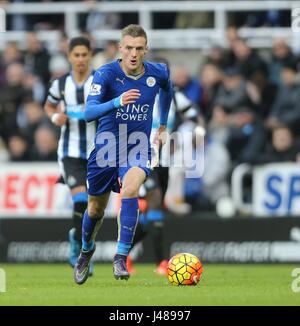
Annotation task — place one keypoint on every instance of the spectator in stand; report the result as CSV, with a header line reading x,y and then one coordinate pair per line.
x,y
220,57
246,136
186,84
32,118
11,54
211,81
18,148
247,60
281,55
235,93
63,45
32,83
224,57
283,148
286,108
110,53
59,64
231,37
37,58
12,96
45,146
267,93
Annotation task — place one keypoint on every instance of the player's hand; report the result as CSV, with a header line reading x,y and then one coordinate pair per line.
x,y
59,119
161,136
130,96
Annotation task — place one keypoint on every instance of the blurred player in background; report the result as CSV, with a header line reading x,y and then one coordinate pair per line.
x,y
65,107
121,98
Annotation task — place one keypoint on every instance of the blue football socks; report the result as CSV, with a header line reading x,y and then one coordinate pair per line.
x,y
90,228
127,221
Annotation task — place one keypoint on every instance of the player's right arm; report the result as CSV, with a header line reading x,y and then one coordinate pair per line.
x,y
51,106
96,106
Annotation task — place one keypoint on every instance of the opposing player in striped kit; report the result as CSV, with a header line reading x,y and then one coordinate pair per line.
x,y
65,107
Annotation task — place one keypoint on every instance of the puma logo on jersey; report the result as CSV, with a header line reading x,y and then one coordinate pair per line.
x,y
120,80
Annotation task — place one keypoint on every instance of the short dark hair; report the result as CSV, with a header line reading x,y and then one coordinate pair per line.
x,y
134,31
80,40
291,65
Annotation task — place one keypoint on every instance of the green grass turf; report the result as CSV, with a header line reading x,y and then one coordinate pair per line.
x,y
220,285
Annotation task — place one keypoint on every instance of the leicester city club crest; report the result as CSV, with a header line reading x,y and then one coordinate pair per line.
x,y
151,81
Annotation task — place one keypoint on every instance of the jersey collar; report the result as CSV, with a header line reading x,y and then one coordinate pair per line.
x,y
118,61
82,84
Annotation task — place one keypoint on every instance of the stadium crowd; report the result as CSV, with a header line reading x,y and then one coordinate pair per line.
x,y
249,104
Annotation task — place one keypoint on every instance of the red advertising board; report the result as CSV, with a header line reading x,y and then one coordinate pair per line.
x,y
31,189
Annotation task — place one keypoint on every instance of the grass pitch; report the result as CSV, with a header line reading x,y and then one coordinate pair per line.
x,y
220,285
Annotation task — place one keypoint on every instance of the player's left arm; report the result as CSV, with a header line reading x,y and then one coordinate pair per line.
x,y
165,99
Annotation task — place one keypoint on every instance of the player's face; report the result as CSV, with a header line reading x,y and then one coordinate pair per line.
x,y
133,50
80,58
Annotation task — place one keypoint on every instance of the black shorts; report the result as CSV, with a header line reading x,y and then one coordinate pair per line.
x,y
74,171
158,178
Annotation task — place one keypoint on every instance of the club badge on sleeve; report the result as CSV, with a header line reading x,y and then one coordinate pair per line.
x,y
95,89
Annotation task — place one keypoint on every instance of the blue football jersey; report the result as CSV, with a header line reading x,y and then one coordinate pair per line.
x,y
123,136
110,81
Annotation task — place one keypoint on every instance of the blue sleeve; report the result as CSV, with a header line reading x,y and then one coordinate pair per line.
x,y
165,97
95,106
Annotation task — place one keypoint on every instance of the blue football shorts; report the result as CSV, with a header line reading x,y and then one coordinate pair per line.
x,y
101,180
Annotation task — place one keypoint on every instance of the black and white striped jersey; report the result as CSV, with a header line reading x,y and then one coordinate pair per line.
x,y
77,136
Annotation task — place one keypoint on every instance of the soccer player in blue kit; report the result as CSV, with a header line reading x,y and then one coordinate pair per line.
x,y
121,97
